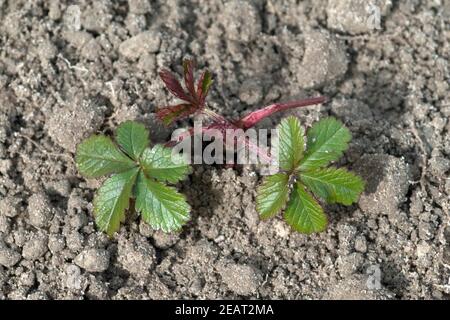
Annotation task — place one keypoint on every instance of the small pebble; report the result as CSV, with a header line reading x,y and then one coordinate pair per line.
x,y
35,247
145,42
39,210
241,279
93,260
8,257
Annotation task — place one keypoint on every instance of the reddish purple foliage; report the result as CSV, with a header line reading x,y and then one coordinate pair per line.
x,y
194,102
194,99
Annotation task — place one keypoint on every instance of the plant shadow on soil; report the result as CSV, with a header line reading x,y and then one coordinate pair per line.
x,y
204,199
393,278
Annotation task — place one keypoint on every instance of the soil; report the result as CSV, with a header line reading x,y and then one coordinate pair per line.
x,y
69,69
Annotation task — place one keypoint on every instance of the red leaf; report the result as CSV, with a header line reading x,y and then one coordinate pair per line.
x,y
174,85
188,66
172,113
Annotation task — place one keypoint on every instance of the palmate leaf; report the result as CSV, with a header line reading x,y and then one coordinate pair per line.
x,y
272,195
174,85
98,156
194,96
112,199
161,164
333,185
291,143
303,213
161,206
132,137
326,141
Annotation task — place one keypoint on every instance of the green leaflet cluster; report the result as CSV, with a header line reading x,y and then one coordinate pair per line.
x,y
137,172
304,176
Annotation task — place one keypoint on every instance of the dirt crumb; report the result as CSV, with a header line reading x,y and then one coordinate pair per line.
x,y
355,288
136,255
8,257
93,260
10,206
242,28
387,179
145,42
356,16
36,246
139,6
325,60
241,279
69,125
39,210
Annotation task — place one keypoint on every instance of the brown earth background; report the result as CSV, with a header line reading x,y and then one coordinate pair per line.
x,y
72,68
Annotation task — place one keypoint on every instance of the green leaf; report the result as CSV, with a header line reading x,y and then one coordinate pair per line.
x,y
206,83
326,140
291,143
132,137
161,206
272,195
98,156
169,114
112,199
159,163
303,212
333,185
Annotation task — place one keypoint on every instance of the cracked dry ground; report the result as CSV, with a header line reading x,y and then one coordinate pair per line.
x,y
67,71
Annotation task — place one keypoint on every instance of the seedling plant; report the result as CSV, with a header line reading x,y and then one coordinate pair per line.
x,y
304,175
140,176
138,173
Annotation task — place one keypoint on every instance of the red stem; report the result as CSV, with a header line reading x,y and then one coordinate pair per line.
x,y
254,117
220,122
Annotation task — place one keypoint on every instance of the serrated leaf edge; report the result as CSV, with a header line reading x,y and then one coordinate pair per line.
x,y
266,216
133,178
